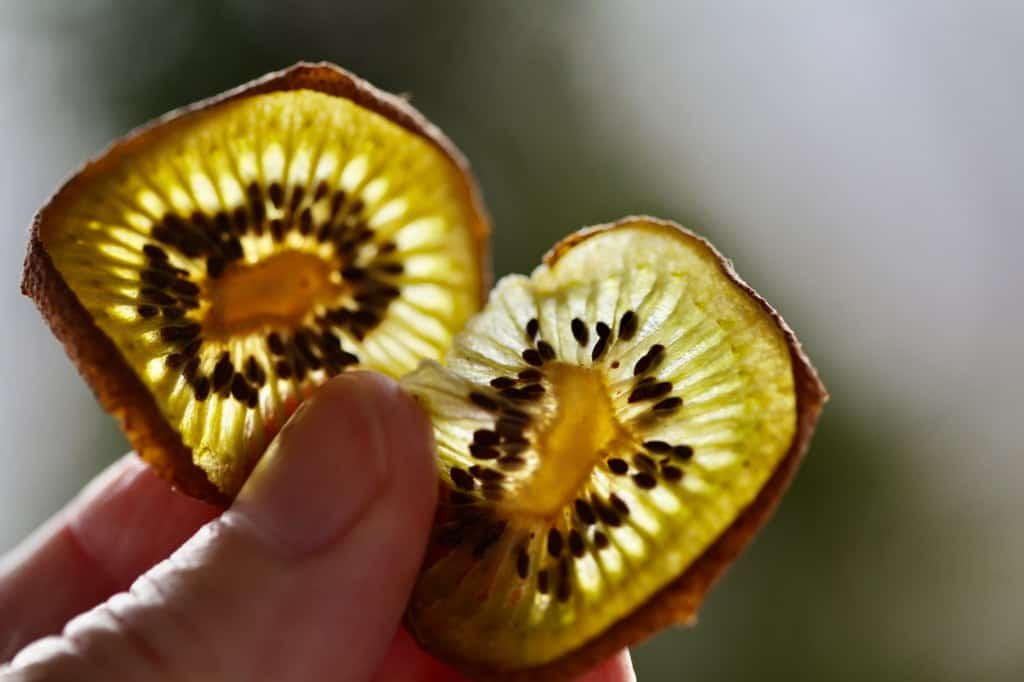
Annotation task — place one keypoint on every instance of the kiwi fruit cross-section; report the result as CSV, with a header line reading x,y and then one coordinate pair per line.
x,y
611,431
209,270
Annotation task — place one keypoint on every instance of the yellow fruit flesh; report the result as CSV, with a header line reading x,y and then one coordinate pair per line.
x,y
573,441
279,291
319,184
725,360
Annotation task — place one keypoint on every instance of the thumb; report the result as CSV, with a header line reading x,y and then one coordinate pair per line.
x,y
304,578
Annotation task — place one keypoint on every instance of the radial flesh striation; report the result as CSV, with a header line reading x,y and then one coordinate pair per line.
x,y
209,271
602,426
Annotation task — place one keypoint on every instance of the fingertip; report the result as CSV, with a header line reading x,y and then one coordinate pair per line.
x,y
618,668
341,451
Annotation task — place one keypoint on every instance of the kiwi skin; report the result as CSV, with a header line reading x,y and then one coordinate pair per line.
x,y
115,384
678,602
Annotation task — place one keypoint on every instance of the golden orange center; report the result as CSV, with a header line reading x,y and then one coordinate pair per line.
x,y
278,291
572,442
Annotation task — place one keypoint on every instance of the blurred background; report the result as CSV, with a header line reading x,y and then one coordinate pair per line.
x,y
862,163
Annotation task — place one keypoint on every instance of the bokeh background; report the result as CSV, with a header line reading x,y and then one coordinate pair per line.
x,y
862,163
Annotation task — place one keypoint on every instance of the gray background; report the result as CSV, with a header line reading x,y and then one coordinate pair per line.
x,y
862,163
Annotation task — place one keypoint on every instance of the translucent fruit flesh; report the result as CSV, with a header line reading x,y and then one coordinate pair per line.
x,y
241,254
599,426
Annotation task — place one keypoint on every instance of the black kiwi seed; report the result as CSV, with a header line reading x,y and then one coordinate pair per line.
x,y
321,191
650,360
182,333
156,296
650,391
190,369
253,371
658,446
618,504
599,348
154,253
184,288
627,325
532,357
522,564
644,462
276,194
201,388
600,540
618,466
668,405
193,347
644,480
222,372
532,327
483,401
147,311
277,229
239,388
683,452
297,194
502,382
545,350
215,266
554,543
542,581
531,375
157,278
532,390
489,475
606,514
512,462
509,429
483,452
462,479
671,473
275,344
585,512
576,546
493,491
485,437
579,331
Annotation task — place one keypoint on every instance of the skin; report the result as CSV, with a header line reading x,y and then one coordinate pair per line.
x,y
304,577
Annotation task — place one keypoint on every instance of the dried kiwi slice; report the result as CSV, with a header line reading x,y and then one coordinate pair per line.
x,y
611,432
207,271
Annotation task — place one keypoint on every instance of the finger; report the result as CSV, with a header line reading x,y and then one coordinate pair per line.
x,y
618,668
304,578
124,522
407,662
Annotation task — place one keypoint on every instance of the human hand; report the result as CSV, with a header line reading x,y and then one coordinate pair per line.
x,y
305,577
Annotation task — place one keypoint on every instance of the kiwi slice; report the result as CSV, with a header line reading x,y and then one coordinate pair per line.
x,y
611,431
208,271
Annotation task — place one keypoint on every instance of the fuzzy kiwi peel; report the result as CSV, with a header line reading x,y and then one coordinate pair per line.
x,y
612,431
208,270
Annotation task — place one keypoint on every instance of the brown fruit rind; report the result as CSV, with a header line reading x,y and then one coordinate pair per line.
x,y
97,358
677,603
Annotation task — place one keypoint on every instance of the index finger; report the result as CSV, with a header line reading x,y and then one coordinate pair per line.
x,y
407,662
126,520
